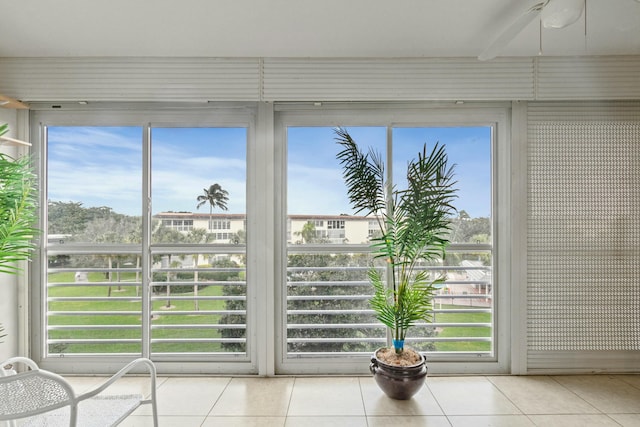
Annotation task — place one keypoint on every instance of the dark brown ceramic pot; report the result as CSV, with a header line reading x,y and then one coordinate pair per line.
x,y
398,382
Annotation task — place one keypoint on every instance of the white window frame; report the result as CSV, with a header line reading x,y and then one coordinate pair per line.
x,y
266,215
496,115
221,224
335,224
147,117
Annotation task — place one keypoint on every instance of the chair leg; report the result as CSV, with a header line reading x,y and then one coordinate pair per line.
x,y
155,414
73,415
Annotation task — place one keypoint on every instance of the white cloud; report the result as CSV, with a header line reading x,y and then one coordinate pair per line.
x,y
316,190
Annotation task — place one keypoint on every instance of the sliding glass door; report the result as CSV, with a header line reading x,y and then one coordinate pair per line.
x,y
187,237
146,240
327,322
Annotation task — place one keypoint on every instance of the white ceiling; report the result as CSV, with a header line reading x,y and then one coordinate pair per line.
x,y
303,28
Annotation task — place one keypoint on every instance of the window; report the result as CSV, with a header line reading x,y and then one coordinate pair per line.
x,y
93,301
143,259
465,302
178,224
373,229
335,224
220,225
130,275
198,169
325,288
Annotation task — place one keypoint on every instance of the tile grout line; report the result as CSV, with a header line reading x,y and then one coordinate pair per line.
x,y
528,416
553,378
364,407
217,400
286,413
435,399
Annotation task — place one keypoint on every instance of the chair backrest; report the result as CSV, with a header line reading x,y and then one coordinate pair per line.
x,y
33,392
40,392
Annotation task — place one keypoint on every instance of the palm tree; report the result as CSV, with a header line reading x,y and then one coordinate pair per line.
x,y
216,197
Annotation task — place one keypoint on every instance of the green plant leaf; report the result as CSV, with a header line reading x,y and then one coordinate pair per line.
x,y
18,205
414,225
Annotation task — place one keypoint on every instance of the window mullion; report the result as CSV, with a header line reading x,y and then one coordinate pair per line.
x,y
389,195
146,241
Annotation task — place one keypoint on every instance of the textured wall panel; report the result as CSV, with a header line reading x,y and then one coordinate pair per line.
x,y
130,79
597,78
315,79
397,79
583,240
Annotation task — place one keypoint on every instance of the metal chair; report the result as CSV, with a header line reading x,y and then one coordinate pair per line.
x,y
47,399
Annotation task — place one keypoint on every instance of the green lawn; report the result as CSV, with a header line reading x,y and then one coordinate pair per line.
x,y
164,317
116,305
463,331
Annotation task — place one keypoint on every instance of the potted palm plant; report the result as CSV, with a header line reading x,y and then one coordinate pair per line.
x,y
17,211
414,224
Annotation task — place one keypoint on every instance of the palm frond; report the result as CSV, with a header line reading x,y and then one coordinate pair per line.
x,y
18,214
382,300
414,225
363,175
215,195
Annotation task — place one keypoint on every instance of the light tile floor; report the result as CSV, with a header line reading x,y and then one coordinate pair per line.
x,y
503,401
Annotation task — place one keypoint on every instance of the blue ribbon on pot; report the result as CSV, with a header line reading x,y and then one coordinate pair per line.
x,y
398,344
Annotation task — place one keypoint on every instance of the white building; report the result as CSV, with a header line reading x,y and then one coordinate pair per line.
x,y
224,226
326,228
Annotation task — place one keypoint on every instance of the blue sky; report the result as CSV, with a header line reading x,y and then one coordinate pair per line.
x,y
97,166
102,166
315,176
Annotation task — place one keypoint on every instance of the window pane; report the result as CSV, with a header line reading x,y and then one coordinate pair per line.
x,y
198,303
94,303
94,197
94,184
327,290
469,149
199,196
462,316
185,160
318,207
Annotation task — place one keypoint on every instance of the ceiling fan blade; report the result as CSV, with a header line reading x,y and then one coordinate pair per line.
x,y
562,13
511,31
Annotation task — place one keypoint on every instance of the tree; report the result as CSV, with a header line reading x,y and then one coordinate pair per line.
x,y
216,197
239,238
68,218
469,230
116,228
320,282
308,233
